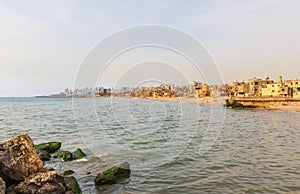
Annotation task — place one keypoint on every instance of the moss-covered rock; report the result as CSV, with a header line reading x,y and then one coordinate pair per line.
x,y
68,172
44,155
111,175
49,147
71,184
235,105
78,154
102,179
65,155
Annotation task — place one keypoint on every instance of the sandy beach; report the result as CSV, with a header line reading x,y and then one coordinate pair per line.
x,y
205,100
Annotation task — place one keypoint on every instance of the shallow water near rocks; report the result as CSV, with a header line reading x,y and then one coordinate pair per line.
x,y
254,151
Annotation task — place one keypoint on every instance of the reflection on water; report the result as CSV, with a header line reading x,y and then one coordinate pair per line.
x,y
256,151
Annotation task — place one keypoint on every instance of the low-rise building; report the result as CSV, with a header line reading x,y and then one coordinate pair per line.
x,y
239,89
256,85
203,91
280,89
277,90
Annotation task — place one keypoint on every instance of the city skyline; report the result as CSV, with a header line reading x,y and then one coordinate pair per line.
x,y
265,87
41,50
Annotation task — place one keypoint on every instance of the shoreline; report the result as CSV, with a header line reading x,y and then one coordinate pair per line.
x,y
204,100
220,101
284,108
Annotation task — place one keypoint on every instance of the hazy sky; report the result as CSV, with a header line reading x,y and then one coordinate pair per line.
x,y
43,43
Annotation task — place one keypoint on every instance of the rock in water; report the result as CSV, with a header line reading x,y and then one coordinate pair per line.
x,y
65,155
78,154
111,175
19,160
2,186
72,185
49,147
42,183
44,155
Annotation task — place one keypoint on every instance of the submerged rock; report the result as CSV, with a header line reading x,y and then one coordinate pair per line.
x,y
78,154
65,155
72,185
49,147
19,159
41,183
2,186
110,176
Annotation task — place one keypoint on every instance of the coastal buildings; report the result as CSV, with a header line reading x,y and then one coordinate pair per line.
x,y
166,90
202,90
239,89
257,87
253,88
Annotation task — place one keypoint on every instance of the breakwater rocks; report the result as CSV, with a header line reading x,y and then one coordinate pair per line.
x,y
22,169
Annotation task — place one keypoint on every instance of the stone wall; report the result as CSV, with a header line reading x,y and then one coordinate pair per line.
x,y
267,101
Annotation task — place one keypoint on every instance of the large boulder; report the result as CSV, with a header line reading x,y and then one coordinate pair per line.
x,y
2,186
19,159
111,176
42,183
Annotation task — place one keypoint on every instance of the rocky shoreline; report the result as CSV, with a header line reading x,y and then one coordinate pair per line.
x,y
22,169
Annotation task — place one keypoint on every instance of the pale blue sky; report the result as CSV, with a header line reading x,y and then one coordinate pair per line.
x,y
43,43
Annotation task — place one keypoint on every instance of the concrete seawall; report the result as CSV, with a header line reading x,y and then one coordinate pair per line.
x,y
266,101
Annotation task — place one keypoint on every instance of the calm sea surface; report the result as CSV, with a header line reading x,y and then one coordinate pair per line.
x,y
172,147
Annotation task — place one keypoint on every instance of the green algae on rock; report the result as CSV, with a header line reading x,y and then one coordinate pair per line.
x,y
71,184
78,154
49,147
65,155
44,155
111,175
